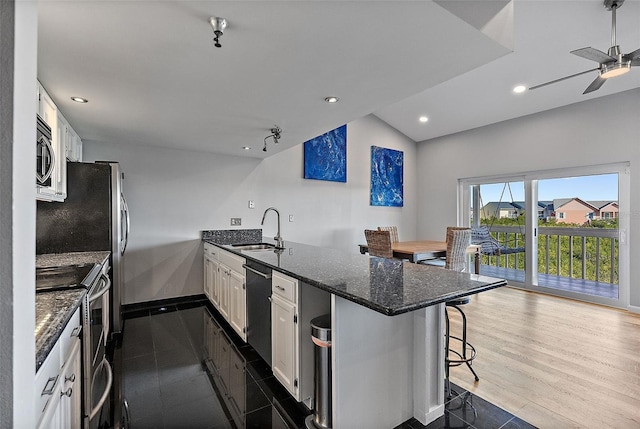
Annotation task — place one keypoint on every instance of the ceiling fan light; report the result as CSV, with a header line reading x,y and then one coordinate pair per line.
x,y
616,69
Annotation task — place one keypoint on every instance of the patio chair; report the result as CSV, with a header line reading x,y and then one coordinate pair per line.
x,y
379,243
489,245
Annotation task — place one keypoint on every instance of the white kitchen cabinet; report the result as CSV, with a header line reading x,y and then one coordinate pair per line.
x,y
223,300
71,392
59,381
57,189
73,146
284,343
66,144
208,275
238,303
233,298
293,306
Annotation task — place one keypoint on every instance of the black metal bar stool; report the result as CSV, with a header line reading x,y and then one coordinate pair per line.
x,y
467,353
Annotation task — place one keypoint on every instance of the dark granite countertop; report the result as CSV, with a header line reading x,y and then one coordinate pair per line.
x,y
388,286
72,258
53,312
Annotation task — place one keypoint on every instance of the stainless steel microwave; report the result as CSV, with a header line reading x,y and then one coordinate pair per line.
x,y
45,156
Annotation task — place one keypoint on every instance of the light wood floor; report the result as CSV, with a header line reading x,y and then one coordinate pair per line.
x,y
554,362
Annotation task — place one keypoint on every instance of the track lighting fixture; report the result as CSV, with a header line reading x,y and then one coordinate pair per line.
x,y
275,134
218,25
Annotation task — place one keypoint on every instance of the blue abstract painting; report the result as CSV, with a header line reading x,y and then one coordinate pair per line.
x,y
387,177
325,157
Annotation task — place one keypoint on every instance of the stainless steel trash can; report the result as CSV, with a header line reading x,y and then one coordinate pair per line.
x,y
321,337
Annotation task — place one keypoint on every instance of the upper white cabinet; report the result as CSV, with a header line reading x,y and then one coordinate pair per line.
x,y
65,144
73,145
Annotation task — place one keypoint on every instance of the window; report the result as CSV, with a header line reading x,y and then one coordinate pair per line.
x,y
560,215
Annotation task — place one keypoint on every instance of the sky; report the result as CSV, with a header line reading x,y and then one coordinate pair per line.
x,y
589,188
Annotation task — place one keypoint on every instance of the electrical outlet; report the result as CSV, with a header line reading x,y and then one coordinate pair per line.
x,y
236,221
290,218
252,204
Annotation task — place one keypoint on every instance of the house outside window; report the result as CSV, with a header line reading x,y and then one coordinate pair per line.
x,y
560,215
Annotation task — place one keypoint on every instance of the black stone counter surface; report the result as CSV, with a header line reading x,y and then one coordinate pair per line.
x,y
388,286
55,308
53,312
72,258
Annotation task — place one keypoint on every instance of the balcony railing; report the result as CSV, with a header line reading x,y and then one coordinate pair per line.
x,y
576,253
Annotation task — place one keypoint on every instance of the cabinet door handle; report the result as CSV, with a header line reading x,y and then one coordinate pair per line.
x,y
280,288
71,379
68,392
52,381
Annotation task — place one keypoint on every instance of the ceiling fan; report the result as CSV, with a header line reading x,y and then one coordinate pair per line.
x,y
611,64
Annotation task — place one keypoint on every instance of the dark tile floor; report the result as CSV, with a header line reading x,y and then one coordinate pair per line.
x,y
184,368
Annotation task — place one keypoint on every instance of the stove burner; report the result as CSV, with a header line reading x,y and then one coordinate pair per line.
x,y
65,277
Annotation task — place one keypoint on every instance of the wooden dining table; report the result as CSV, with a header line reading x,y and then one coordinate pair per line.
x,y
421,250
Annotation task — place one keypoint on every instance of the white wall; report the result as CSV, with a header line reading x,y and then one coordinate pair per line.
x,y
599,131
18,204
174,194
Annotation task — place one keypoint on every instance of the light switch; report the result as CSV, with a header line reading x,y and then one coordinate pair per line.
x,y
290,218
252,204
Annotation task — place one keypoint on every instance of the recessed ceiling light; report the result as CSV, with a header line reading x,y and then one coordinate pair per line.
x,y
80,100
331,99
519,89
423,119
246,148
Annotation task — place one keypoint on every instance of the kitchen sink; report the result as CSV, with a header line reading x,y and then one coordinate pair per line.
x,y
255,246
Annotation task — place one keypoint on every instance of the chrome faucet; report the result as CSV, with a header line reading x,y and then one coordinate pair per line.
x,y
278,238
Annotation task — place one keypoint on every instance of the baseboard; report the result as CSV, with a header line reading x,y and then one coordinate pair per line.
x,y
634,309
150,305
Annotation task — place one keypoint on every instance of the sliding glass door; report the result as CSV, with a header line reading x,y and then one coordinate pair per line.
x,y
566,225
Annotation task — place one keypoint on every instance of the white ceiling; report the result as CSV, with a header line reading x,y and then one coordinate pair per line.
x,y
153,77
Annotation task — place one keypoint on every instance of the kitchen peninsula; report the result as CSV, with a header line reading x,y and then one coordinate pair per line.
x,y
387,319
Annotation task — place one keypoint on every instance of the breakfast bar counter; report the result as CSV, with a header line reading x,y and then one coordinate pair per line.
x,y
387,321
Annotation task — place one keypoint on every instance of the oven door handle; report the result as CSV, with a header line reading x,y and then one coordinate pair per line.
x,y
105,363
104,289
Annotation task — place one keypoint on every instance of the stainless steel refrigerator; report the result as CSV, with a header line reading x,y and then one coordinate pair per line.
x,y
93,217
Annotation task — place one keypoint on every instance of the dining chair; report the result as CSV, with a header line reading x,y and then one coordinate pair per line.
x,y
458,240
379,243
393,230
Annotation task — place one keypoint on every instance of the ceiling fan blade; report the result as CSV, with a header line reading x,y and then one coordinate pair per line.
x,y
562,78
596,84
593,54
632,55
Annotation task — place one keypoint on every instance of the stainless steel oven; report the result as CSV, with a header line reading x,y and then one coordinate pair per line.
x,y
97,371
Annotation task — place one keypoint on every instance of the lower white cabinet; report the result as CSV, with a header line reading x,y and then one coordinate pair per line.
x,y
211,274
59,381
284,342
225,286
238,303
293,306
71,391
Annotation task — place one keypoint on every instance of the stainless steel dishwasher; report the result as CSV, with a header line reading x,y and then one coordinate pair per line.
x,y
259,308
